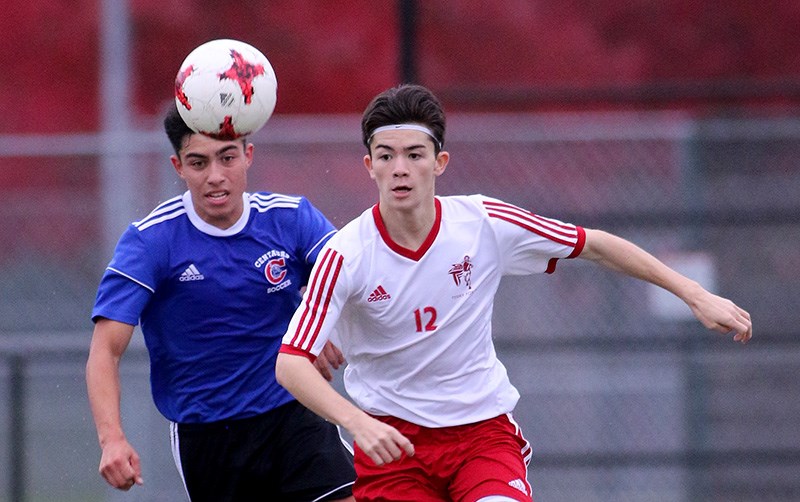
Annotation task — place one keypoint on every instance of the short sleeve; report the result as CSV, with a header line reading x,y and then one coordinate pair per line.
x,y
316,230
129,280
531,243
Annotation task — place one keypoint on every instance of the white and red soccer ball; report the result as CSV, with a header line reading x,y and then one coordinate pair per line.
x,y
226,89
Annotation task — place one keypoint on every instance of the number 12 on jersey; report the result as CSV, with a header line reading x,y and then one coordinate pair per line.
x,y
425,319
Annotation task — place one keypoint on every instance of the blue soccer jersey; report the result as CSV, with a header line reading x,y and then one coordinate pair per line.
x,y
214,304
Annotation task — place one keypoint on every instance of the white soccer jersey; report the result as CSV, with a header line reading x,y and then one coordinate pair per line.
x,y
415,325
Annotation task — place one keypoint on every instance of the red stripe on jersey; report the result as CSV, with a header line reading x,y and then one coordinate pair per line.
x,y
581,242
312,285
289,349
546,227
318,298
312,302
308,310
551,265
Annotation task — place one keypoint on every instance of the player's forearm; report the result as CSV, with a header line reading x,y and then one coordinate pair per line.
x,y
109,342
298,375
625,257
102,383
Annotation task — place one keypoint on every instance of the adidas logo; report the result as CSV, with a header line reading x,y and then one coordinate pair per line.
x,y
379,295
226,99
519,485
191,274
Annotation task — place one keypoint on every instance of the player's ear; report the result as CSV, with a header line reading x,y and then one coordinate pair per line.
x,y
441,162
368,165
248,153
177,164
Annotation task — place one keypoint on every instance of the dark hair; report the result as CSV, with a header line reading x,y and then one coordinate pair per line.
x,y
176,129
404,104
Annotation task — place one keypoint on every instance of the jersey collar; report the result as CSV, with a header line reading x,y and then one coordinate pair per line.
x,y
403,251
206,228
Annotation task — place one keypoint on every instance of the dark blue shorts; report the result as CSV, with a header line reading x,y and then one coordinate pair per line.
x,y
286,454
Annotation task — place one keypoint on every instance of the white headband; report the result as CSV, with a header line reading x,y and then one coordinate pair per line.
x,y
413,127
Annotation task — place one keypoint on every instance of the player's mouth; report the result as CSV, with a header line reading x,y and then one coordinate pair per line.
x,y
217,197
401,190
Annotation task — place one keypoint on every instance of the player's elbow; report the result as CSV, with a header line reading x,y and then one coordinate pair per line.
x,y
282,369
288,369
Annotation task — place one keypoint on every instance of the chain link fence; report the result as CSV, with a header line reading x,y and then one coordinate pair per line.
x,y
624,395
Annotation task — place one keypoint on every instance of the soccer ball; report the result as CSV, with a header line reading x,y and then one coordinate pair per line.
x,y
225,89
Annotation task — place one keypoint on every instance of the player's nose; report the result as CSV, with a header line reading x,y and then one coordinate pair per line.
x,y
400,167
216,171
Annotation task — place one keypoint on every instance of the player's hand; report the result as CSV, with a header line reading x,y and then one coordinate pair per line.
x,y
329,357
119,465
381,442
722,315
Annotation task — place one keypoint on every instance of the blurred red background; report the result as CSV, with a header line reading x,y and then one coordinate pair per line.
x,y
331,57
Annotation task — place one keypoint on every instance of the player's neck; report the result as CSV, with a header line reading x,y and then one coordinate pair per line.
x,y
409,228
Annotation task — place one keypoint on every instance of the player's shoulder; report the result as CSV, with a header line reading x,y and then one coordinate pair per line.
x,y
465,206
268,209
163,214
486,205
264,202
356,234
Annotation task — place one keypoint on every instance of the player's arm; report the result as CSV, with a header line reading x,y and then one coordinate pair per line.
x,y
318,231
381,442
328,360
119,463
715,312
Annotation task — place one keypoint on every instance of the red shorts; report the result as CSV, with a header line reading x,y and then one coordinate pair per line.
x,y
462,463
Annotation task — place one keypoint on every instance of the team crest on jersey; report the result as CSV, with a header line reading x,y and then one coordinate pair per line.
x,y
275,263
462,272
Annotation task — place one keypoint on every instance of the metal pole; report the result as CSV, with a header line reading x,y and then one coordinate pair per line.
x,y
118,186
694,193
408,35
17,428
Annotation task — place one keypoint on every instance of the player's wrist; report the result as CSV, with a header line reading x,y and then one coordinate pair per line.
x,y
111,437
352,418
690,292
